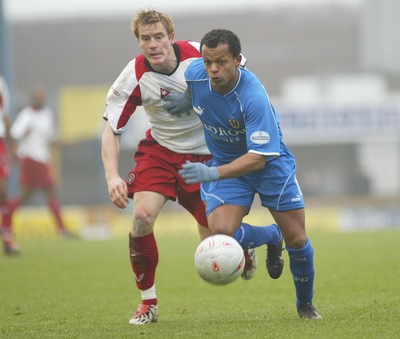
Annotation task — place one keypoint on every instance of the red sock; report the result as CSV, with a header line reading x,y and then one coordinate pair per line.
x,y
7,213
143,254
149,301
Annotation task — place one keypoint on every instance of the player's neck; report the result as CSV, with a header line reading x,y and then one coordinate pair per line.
x,y
166,68
228,87
169,66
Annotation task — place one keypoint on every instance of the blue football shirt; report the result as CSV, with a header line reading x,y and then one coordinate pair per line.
x,y
238,122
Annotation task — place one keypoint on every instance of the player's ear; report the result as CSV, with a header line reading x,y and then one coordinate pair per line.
x,y
172,38
238,60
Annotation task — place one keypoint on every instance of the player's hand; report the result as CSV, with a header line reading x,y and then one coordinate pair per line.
x,y
178,103
193,172
118,192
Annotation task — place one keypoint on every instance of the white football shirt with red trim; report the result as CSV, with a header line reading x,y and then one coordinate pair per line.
x,y
34,130
139,85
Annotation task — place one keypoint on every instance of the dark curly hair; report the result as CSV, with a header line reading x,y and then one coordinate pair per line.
x,y
217,36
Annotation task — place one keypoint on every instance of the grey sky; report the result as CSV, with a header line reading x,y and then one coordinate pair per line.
x,y
19,10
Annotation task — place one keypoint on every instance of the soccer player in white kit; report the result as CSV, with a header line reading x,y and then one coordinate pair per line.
x,y
147,81
34,131
9,246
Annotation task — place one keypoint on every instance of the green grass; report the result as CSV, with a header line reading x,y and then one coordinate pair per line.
x,y
84,289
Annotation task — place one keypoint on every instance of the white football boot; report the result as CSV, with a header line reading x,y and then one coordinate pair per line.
x,y
145,314
251,262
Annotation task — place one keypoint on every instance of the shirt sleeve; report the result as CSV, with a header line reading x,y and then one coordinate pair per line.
x,y
20,125
262,129
122,99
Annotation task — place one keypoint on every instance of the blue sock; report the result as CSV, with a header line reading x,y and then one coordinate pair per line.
x,y
253,236
302,268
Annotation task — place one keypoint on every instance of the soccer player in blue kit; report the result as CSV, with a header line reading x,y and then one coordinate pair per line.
x,y
244,137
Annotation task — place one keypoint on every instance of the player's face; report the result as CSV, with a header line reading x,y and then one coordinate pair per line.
x,y
221,67
38,98
157,48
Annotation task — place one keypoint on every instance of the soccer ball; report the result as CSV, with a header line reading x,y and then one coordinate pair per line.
x,y
219,259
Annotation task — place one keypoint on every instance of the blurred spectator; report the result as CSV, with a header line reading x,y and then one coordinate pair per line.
x,y
34,132
8,244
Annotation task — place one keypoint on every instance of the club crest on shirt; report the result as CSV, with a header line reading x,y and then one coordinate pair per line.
x,y
130,178
164,92
234,123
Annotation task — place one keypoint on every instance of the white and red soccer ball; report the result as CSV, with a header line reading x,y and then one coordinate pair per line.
x,y
219,259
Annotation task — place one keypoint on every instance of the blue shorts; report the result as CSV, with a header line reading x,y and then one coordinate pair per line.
x,y
276,186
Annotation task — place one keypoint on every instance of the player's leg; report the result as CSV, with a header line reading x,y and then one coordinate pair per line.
x,y
9,247
204,232
254,236
231,194
5,227
54,205
228,202
153,183
17,202
143,253
226,217
283,196
11,206
190,200
233,216
154,180
188,195
27,180
40,177
301,256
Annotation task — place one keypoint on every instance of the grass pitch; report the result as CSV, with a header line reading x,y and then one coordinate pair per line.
x,y
85,289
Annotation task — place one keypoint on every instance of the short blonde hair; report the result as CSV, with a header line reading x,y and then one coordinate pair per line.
x,y
150,17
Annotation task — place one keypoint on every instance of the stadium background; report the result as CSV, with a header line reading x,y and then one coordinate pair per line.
x,y
331,70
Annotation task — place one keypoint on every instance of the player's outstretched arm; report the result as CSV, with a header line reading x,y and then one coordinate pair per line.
x,y
247,163
199,172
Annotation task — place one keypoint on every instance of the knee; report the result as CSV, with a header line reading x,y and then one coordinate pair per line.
x,y
222,229
143,222
296,240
